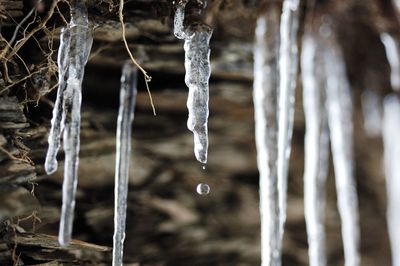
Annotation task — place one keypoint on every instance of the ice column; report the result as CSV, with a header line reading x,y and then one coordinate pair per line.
x,y
123,155
198,70
265,95
391,141
316,147
287,85
339,106
75,44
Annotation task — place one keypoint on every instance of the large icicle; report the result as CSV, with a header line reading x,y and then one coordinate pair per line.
x,y
198,70
123,155
339,106
265,95
391,141
77,54
56,126
316,147
393,56
287,85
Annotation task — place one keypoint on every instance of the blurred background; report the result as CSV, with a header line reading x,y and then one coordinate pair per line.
x,y
168,223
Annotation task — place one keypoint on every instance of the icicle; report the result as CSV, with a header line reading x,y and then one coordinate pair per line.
x,y
198,70
371,107
339,106
316,147
393,56
56,126
391,141
78,53
288,74
123,155
265,95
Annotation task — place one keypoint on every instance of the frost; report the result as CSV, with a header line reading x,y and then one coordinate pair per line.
x,y
123,155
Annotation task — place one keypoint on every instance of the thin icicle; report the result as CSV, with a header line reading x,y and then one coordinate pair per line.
x,y
372,113
288,74
265,95
123,155
316,147
391,141
56,126
77,54
339,106
198,70
393,56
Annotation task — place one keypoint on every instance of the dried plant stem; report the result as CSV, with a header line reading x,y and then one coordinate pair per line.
x,y
147,78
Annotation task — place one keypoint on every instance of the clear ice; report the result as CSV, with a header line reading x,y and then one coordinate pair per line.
x,y
287,85
391,141
123,154
265,97
393,56
75,45
56,125
316,145
339,107
198,70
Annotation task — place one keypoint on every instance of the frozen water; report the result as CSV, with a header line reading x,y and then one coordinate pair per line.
x,y
123,154
391,141
316,147
288,75
339,106
265,96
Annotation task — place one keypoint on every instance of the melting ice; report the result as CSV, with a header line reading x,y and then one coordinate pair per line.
x,y
75,44
198,70
123,154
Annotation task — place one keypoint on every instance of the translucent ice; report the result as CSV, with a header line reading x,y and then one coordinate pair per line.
x,y
339,107
316,147
75,58
391,141
198,70
265,96
123,154
56,126
393,56
287,85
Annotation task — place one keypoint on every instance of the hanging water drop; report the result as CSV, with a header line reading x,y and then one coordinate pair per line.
x,y
203,189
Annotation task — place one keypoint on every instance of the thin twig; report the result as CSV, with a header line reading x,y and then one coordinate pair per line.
x,y
147,78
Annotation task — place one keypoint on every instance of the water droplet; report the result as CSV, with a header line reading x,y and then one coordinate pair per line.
x,y
204,167
203,189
